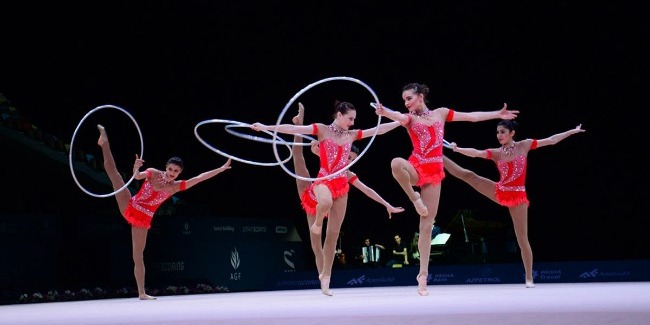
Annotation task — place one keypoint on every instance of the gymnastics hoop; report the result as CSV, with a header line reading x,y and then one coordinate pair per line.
x,y
250,162
74,135
265,140
293,99
445,143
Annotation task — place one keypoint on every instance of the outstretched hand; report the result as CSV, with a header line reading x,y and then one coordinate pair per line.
x,y
226,165
257,126
391,209
579,129
380,110
505,114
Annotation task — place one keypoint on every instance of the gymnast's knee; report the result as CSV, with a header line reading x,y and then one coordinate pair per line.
x,y
397,163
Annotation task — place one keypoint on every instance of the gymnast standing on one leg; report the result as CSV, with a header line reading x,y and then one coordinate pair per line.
x,y
331,192
511,160
139,210
307,196
424,168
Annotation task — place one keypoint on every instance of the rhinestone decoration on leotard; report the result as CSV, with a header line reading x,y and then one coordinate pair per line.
x,y
508,150
337,130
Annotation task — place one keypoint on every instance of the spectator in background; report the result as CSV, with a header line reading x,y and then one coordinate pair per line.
x,y
415,254
340,262
370,253
435,231
399,253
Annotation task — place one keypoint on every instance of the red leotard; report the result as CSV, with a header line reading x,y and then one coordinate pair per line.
x,y
143,205
308,198
333,157
426,156
511,190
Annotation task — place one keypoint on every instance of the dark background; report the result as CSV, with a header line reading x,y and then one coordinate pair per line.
x,y
174,64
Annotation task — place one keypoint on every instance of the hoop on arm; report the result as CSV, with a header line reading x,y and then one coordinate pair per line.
x,y
74,135
294,98
265,140
240,124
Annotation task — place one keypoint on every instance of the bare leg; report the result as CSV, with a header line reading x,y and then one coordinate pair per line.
x,y
316,242
324,199
519,213
300,167
431,198
407,177
519,216
479,183
139,240
299,163
117,181
334,222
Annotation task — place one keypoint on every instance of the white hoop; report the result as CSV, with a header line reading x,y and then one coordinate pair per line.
x,y
72,146
256,163
265,140
293,99
445,143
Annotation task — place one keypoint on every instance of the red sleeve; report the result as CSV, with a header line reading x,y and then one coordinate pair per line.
x,y
533,145
315,129
183,185
352,179
450,115
360,135
489,154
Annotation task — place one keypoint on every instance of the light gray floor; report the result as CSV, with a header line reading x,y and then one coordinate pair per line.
x,y
562,303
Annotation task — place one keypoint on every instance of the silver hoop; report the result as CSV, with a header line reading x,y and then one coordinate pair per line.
x,y
293,99
250,162
265,140
74,135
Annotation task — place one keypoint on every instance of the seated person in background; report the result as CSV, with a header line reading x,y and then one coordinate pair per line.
x,y
415,254
435,231
340,262
370,253
399,253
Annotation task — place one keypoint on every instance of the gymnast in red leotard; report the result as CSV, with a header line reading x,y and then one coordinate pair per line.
x,y
424,168
331,193
510,190
308,197
138,210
